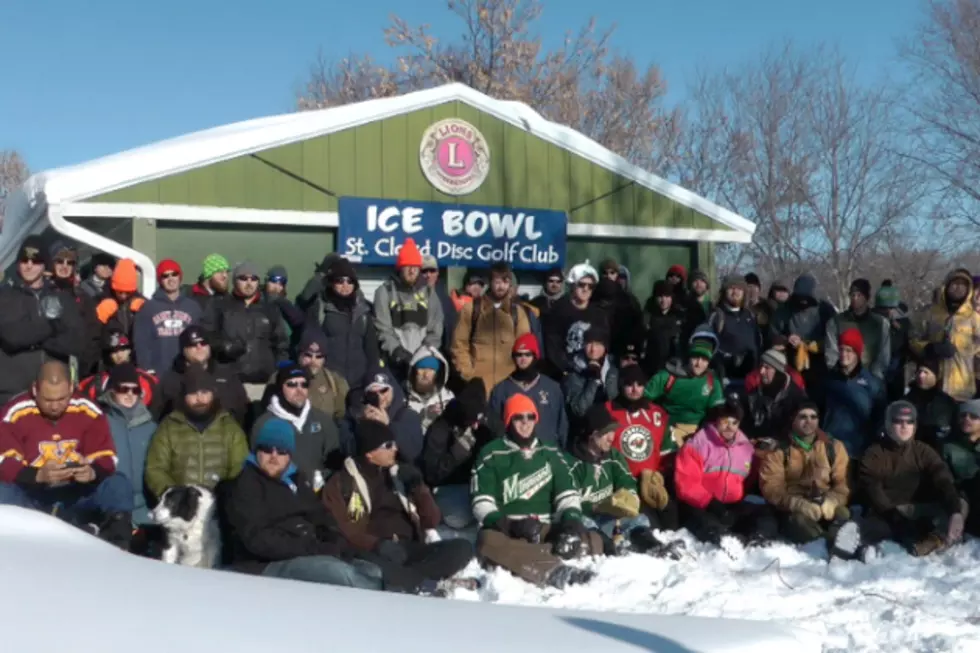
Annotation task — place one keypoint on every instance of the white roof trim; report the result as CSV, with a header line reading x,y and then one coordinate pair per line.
x,y
199,149
330,220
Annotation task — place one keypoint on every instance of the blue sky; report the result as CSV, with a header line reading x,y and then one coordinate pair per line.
x,y
84,79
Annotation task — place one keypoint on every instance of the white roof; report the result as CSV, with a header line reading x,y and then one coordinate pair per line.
x,y
198,149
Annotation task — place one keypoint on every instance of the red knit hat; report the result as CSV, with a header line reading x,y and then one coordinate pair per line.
x,y
168,265
852,338
679,270
527,342
409,255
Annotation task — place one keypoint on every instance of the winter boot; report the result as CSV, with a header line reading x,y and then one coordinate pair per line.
x,y
117,529
847,542
564,575
929,544
569,546
644,540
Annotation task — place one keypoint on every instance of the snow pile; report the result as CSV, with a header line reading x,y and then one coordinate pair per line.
x,y
894,603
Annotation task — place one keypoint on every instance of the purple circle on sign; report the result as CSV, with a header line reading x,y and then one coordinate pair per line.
x,y
458,163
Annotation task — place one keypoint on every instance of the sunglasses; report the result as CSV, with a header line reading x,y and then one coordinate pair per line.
x,y
64,261
247,278
585,286
272,450
170,275
809,416
314,355
903,421
673,276
198,344
524,354
343,280
525,417
30,260
477,282
128,390
297,384
277,279
970,416
554,280
730,421
430,271
387,446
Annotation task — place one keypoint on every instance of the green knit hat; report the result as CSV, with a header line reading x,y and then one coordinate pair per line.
x,y
214,263
887,297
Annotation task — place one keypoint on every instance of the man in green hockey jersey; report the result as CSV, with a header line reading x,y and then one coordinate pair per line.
x,y
686,390
527,504
610,501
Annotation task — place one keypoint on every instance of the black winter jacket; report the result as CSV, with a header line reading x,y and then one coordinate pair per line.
x,y
231,393
277,519
449,451
664,334
252,337
317,444
352,342
27,338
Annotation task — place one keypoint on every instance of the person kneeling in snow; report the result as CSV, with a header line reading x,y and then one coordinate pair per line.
x,y
609,500
384,509
910,493
805,479
278,526
518,484
710,479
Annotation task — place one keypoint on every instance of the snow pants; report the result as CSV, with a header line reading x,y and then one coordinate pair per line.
x,y
531,562
425,563
454,503
75,502
327,570
801,530
925,518
751,520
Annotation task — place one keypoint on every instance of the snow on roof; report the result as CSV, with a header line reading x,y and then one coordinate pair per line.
x,y
198,149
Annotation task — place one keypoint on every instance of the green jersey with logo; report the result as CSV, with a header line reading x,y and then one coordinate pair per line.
x,y
509,481
597,482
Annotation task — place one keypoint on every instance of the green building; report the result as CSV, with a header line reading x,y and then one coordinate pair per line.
x,y
268,189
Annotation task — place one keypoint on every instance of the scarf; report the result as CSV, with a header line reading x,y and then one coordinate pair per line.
x,y
298,420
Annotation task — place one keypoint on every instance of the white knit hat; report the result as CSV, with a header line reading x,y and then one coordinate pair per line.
x,y
580,271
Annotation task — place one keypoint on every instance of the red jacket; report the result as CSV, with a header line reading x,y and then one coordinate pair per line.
x,y
93,386
753,380
29,440
640,435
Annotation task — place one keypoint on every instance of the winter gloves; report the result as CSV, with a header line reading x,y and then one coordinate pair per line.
x,y
652,489
527,529
463,444
623,504
955,531
828,508
806,509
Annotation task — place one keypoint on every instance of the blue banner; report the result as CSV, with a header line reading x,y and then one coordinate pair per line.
x,y
373,230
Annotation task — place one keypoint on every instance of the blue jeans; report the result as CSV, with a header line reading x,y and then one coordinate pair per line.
x,y
454,503
77,502
607,524
327,570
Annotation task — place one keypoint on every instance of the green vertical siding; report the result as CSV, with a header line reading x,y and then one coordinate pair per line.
x,y
381,160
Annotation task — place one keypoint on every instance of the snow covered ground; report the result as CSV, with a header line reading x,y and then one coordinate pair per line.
x,y
895,603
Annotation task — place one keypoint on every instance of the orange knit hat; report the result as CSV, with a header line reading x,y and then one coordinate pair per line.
x,y
518,405
409,255
125,278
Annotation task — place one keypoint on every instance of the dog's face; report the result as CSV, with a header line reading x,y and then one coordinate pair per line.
x,y
182,505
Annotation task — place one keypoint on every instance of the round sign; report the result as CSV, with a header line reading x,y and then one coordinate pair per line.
x,y
454,156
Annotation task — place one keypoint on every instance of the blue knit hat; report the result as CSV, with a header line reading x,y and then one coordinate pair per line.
x,y
277,433
428,363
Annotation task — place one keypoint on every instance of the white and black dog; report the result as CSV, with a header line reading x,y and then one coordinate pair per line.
x,y
187,515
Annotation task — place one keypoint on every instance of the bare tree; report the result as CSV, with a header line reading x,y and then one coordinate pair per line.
x,y
945,98
13,173
794,143
582,83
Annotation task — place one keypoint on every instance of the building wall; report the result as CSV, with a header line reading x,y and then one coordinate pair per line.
x,y
381,160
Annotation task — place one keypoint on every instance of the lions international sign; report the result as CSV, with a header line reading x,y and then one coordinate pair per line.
x,y
454,156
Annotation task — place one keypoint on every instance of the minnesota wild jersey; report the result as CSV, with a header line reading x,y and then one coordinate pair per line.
x,y
597,481
509,481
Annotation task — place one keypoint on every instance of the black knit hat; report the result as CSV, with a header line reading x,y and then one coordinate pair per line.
x,y
862,286
598,420
632,374
290,371
33,248
931,363
662,289
101,258
469,404
339,268
115,339
371,434
553,272
596,333
192,335
803,404
197,379
124,373
752,279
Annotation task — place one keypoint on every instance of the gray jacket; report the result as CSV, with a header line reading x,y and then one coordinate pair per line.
x,y
407,317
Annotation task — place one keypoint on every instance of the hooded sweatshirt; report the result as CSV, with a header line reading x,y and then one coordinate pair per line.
x,y
403,421
430,406
156,333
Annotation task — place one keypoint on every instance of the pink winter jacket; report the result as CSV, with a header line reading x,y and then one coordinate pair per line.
x,y
708,467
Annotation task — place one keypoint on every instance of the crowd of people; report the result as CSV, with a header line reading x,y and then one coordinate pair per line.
x,y
340,432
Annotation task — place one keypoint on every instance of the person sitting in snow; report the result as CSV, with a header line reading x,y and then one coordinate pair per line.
x,y
544,391
687,390
962,453
639,436
805,479
426,389
450,449
910,494
527,505
609,499
709,477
